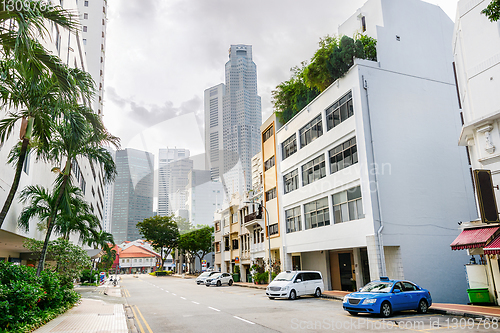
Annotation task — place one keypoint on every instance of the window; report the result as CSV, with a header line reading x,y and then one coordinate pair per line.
x,y
86,3
269,164
214,112
343,155
217,226
84,41
271,194
235,244
235,218
85,28
227,248
289,146
85,16
347,205
317,213
291,181
273,229
363,24
311,131
217,247
313,170
267,134
339,111
293,222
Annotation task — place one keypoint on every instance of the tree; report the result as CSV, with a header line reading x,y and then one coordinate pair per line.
x,y
162,232
182,224
492,11
69,259
197,243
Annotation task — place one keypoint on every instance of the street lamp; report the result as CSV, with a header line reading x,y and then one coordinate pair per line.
x,y
268,233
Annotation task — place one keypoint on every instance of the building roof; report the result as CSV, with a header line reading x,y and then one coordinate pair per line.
x,y
137,252
493,247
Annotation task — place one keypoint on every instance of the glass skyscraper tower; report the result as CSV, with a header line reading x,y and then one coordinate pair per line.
x,y
233,116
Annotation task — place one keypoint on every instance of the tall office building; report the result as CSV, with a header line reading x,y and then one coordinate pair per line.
x,y
174,166
204,197
133,193
233,116
93,19
108,199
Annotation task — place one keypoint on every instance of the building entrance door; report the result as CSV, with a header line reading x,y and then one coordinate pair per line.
x,y
296,263
345,271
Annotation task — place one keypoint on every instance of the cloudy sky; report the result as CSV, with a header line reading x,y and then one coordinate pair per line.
x,y
161,55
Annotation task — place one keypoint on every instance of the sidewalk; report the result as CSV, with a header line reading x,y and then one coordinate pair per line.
x,y
442,308
92,315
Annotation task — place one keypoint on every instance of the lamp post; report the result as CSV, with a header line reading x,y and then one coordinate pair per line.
x,y
268,233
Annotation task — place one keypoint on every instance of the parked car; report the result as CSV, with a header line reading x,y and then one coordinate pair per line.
x,y
203,276
219,279
292,284
386,296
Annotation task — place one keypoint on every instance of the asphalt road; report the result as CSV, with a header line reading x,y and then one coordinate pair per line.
x,y
170,304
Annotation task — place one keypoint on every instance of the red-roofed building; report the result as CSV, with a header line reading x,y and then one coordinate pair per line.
x,y
136,259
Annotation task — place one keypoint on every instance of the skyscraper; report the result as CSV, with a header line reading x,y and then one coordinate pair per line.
x,y
93,19
174,166
233,116
133,193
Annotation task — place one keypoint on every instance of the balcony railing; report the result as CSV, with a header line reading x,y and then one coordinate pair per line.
x,y
253,216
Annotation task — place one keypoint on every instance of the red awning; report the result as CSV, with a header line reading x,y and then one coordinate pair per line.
x,y
473,238
493,247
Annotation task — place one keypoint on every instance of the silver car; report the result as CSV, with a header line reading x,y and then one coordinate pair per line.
x,y
219,279
203,276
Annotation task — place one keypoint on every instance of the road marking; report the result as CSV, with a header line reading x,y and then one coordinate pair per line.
x,y
161,288
174,294
214,309
246,321
138,321
144,320
183,297
195,302
167,291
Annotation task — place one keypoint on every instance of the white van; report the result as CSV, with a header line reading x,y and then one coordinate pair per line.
x,y
292,284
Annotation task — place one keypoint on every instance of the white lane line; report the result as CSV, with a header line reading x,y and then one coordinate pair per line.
x,y
183,297
161,288
214,309
195,302
246,321
167,291
174,294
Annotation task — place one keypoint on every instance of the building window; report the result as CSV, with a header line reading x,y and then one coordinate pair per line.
x,y
343,155
85,16
317,213
85,28
269,164
293,222
226,240
217,247
339,111
289,146
84,41
235,218
291,181
363,24
235,244
85,3
267,134
273,229
271,194
217,226
214,112
347,205
313,170
311,131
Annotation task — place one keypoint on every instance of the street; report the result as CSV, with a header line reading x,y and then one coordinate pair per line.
x,y
169,304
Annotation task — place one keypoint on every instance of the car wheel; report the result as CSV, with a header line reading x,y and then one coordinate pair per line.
x,y
230,282
293,295
317,293
385,309
352,313
423,307
219,283
207,285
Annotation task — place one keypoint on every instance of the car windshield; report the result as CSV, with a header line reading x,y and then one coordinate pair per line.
x,y
216,275
284,276
377,287
204,274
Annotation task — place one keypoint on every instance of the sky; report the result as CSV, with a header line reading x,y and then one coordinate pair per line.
x,y
161,55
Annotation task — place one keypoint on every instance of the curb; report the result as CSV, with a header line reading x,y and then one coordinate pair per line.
x,y
130,319
255,286
463,314
340,298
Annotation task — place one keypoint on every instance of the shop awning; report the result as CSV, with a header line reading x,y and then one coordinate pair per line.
x,y
473,238
493,247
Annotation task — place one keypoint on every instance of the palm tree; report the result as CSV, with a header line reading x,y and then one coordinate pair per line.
x,y
36,97
78,133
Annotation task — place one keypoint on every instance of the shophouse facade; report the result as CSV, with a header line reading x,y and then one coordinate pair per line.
x,y
476,50
372,180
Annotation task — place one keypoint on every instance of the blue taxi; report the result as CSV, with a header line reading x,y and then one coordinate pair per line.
x,y
386,296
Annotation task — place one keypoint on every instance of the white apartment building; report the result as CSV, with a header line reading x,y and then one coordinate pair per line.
x,y
476,50
70,49
93,17
204,197
371,180
108,199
